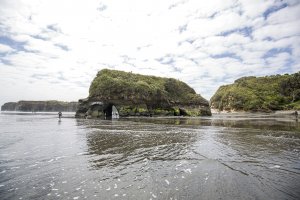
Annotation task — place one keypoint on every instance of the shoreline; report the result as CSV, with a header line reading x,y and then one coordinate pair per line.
x,y
222,114
277,112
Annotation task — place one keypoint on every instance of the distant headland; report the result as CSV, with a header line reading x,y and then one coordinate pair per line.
x,y
40,106
259,94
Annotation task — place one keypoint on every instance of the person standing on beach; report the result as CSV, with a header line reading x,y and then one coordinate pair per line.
x,y
296,114
59,114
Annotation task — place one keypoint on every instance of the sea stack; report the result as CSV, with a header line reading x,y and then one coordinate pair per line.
x,y
116,93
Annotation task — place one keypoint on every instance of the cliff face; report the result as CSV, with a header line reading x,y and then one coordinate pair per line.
x,y
40,106
9,106
140,95
270,93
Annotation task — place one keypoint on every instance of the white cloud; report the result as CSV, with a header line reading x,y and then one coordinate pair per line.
x,y
278,31
255,8
287,14
60,45
5,49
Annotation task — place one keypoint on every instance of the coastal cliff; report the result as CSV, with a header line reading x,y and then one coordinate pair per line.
x,y
266,94
140,95
40,106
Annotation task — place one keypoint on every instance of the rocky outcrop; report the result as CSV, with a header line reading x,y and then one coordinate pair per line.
x,y
122,94
9,106
40,106
264,94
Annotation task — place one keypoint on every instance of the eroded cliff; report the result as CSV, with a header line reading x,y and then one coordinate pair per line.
x,y
140,95
269,93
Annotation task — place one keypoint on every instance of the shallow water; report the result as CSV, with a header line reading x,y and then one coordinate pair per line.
x,y
220,157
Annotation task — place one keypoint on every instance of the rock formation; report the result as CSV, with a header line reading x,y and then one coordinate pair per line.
x,y
267,94
40,106
116,93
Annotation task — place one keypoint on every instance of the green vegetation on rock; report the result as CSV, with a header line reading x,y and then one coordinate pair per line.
x,y
136,95
277,92
141,88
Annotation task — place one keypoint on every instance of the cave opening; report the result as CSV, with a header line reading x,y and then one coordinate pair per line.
x,y
111,112
182,112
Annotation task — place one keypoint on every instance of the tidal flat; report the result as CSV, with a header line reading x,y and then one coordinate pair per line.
x,y
226,156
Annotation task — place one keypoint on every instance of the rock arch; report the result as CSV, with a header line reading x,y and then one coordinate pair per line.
x,y
110,111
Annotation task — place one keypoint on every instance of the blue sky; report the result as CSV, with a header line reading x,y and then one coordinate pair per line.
x,y
53,49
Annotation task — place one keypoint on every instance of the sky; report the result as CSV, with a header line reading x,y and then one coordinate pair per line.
x,y
52,50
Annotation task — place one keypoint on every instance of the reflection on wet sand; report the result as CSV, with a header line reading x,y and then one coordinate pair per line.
x,y
270,123
232,158
219,157
112,144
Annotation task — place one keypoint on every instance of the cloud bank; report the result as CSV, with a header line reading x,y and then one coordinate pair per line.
x,y
53,49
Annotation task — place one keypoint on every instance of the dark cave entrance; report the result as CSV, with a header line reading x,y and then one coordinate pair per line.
x,y
108,111
111,112
182,112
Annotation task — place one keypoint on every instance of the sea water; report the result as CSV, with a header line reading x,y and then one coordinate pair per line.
x,y
219,157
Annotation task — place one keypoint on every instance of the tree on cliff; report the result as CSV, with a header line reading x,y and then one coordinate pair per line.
x,y
291,87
